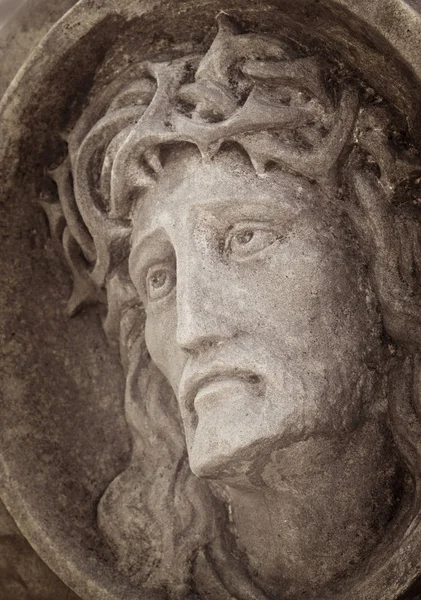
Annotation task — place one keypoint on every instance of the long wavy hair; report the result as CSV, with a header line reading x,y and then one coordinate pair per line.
x,y
283,107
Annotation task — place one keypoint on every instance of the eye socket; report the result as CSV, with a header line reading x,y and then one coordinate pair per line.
x,y
248,239
160,281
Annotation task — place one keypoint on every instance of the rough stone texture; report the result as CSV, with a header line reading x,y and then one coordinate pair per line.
x,y
7,10
23,31
240,215
23,576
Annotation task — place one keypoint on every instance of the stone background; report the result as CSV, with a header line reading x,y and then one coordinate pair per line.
x,y
24,30
23,575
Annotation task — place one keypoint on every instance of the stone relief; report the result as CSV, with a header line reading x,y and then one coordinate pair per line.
x,y
251,219
23,576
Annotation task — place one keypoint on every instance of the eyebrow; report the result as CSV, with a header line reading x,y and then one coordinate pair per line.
x,y
235,206
144,251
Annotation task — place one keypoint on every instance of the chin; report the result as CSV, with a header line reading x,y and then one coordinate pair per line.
x,y
229,458
234,436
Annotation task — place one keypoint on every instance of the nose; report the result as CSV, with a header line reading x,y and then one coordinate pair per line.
x,y
205,313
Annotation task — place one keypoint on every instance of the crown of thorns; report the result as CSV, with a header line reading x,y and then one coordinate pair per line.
x,y
247,89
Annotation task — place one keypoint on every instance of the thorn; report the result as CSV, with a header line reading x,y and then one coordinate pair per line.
x,y
258,165
57,173
55,216
214,148
81,296
85,291
152,158
206,153
225,25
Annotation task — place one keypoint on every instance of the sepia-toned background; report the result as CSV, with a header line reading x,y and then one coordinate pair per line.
x,y
23,575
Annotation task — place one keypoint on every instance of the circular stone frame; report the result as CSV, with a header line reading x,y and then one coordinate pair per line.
x,y
63,437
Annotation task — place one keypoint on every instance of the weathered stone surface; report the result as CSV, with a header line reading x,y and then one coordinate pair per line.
x,y
234,189
23,576
23,31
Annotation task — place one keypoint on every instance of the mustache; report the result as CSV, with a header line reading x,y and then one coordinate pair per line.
x,y
199,373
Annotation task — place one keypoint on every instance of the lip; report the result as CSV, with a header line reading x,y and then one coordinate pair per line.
x,y
216,387
191,386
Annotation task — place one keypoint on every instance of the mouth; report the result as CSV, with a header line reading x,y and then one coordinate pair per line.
x,y
214,382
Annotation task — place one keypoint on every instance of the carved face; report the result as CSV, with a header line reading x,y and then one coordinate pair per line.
x,y
258,310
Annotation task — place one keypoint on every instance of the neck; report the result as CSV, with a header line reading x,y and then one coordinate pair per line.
x,y
316,510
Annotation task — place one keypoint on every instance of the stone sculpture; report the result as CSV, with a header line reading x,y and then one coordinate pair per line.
x,y
250,218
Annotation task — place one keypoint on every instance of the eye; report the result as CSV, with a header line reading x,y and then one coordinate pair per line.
x,y
246,240
160,281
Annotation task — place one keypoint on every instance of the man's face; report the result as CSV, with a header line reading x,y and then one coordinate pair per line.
x,y
258,310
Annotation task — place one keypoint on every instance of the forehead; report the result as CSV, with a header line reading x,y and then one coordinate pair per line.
x,y
189,185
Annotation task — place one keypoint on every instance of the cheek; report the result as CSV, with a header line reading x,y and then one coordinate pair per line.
x,y
160,338
343,315
312,299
